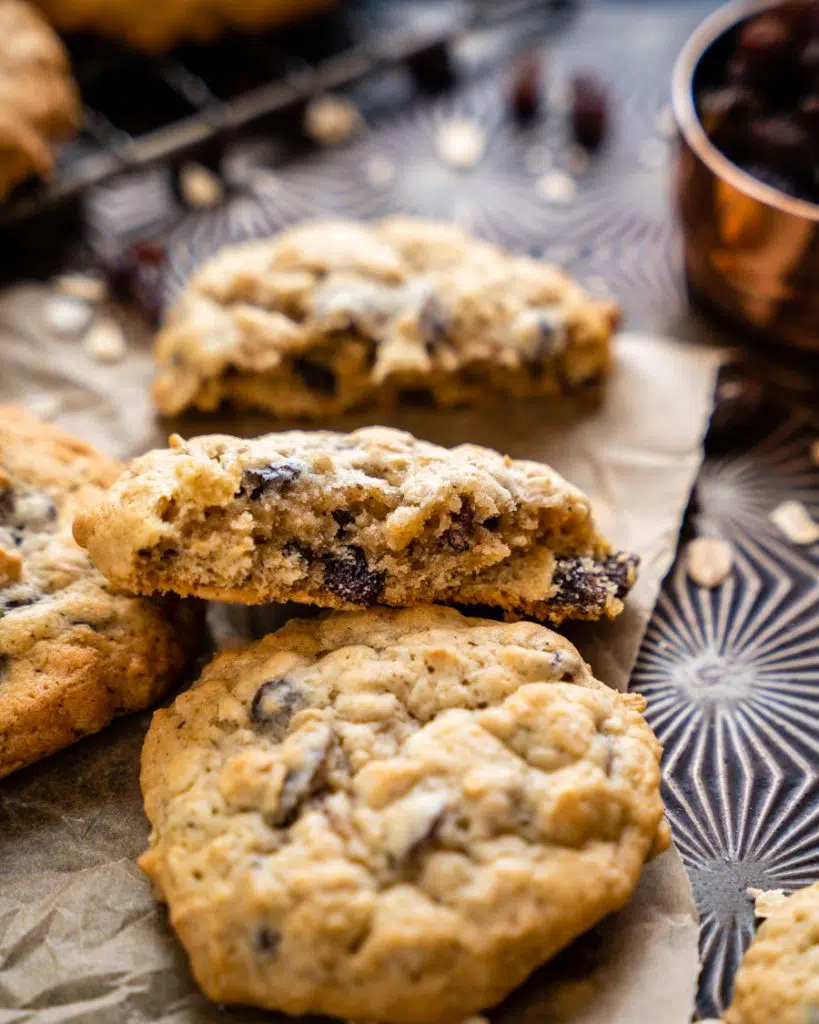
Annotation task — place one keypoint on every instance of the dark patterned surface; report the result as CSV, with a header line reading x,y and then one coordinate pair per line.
x,y
732,675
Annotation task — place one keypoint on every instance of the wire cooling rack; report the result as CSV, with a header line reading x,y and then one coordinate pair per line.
x,y
142,110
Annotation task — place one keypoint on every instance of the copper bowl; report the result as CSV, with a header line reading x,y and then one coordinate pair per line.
x,y
751,251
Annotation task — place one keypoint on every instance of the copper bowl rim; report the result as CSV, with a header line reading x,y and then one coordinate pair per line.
x,y
688,121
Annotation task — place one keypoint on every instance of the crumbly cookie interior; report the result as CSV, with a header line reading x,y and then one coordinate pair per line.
x,y
350,521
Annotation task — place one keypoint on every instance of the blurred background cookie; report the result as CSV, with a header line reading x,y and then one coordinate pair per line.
x,y
39,104
159,25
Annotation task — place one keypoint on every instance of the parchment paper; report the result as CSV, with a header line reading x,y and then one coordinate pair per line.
x,y
81,937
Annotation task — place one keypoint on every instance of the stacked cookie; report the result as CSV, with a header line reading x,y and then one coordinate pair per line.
x,y
394,811
74,651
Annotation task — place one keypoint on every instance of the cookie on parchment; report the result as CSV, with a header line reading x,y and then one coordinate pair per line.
x,y
778,979
331,315
353,520
395,815
39,105
74,652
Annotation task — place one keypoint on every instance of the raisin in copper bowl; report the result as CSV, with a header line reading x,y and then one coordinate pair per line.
x,y
746,100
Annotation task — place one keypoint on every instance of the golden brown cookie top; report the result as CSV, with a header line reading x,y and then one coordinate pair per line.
x,y
778,979
73,651
395,815
433,306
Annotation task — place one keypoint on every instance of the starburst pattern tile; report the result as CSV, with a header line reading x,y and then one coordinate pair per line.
x,y
732,680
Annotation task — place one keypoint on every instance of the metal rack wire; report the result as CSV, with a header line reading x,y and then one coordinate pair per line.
x,y
144,110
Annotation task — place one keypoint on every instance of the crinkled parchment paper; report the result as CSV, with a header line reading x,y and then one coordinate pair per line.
x,y
81,937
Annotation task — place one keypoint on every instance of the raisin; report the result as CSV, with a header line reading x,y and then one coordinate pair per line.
x,y
267,941
761,45
273,705
460,533
136,274
590,585
316,377
741,402
622,571
294,548
277,478
6,505
344,519
351,578
784,142
15,597
589,111
422,398
525,95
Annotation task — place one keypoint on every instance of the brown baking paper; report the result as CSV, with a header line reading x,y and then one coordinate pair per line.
x,y
81,936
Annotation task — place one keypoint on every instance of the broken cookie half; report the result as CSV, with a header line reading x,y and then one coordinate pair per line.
x,y
354,520
334,315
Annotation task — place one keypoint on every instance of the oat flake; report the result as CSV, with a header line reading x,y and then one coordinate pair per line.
x,y
200,187
797,524
105,342
66,317
557,187
331,120
461,143
709,561
82,287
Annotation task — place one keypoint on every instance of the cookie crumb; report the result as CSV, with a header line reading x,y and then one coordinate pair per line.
x,y
709,561
557,187
331,120
766,901
379,170
82,287
795,522
814,452
66,316
200,187
105,342
461,143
